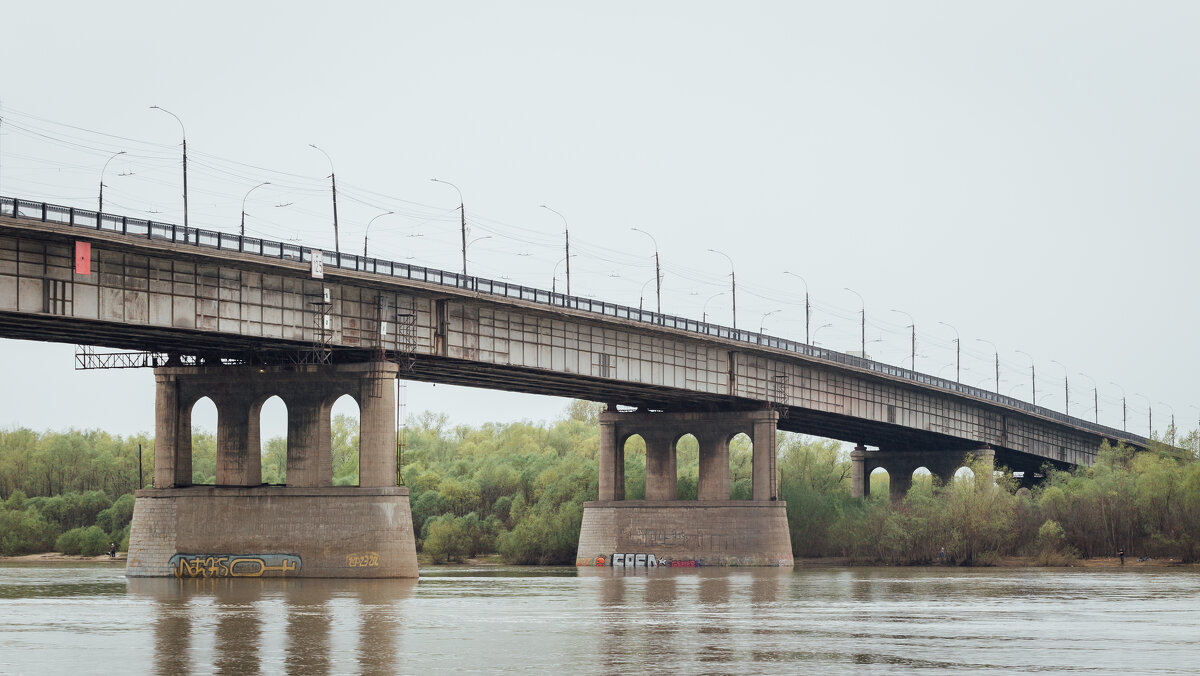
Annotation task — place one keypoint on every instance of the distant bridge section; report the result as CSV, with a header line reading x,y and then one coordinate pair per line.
x,y
207,297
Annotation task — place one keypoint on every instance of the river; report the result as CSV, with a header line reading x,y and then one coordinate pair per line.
x,y
91,619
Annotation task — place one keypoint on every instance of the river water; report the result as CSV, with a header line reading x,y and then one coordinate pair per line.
x,y
91,619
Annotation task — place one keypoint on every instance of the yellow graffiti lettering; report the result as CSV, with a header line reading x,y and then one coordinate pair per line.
x,y
363,560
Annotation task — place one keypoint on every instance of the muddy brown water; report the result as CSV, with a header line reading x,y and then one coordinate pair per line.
x,y
91,619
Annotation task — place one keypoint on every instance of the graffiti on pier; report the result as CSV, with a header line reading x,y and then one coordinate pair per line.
x,y
653,561
363,560
234,565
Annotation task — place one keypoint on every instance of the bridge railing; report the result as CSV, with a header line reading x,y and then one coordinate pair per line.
x,y
136,227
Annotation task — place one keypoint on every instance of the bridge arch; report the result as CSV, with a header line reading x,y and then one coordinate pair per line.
x,y
202,419
687,466
345,411
741,467
879,482
632,467
272,427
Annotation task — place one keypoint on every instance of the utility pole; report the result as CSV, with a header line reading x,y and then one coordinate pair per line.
x,y
337,249
567,241
185,195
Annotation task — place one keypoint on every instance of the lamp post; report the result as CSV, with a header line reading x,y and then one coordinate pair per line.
x,y
462,210
337,248
368,232
184,130
100,207
997,351
1124,422
657,271
817,331
1172,428
1095,397
567,247
554,278
807,307
478,239
913,326
863,354
704,313
1032,375
1149,413
733,284
957,353
764,319
242,231
1066,388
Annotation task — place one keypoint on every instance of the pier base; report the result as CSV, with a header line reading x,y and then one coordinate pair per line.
x,y
684,534
272,531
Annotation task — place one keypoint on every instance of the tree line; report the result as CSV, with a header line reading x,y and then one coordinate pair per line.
x,y
518,489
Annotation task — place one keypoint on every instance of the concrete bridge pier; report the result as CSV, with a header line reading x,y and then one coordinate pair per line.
x,y
900,466
663,530
243,528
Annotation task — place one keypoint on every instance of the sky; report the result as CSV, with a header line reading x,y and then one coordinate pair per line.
x,y
1020,175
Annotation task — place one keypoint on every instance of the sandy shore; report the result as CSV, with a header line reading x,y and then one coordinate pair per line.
x,y
56,558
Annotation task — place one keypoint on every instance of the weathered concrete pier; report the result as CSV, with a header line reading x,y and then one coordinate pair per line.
x,y
241,528
663,530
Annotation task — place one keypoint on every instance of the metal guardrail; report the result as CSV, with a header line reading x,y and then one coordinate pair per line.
x,y
145,229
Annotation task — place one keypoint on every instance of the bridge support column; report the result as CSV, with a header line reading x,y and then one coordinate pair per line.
x,y
860,479
714,467
172,435
239,455
241,528
662,479
710,531
309,451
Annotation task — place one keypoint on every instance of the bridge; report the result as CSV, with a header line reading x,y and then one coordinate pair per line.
x,y
239,319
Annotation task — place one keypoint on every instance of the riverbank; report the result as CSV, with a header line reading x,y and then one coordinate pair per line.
x,y
55,558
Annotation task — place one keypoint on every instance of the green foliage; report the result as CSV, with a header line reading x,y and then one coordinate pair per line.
x,y
90,541
24,532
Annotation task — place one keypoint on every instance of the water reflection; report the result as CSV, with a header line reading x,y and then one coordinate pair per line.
x,y
227,621
608,620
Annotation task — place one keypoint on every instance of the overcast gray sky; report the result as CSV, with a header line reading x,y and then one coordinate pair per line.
x,y
1023,171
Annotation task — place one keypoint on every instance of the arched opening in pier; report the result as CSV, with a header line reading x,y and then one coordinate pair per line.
x,y
741,467
635,467
687,467
922,480
964,474
343,440
204,441
272,435
880,482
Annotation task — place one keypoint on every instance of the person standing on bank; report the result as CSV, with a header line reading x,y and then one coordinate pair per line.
x,y
1121,555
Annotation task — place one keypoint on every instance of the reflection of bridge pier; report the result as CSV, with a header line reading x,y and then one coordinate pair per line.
x,y
241,528
710,531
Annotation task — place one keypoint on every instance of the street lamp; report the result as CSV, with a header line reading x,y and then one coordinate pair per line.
x,y
184,129
567,242
864,320
764,319
733,284
1032,375
704,313
554,277
997,351
478,239
817,331
462,210
913,326
957,353
1124,422
242,238
368,232
100,208
1172,420
337,248
1066,388
642,293
657,271
1095,396
807,307
1149,413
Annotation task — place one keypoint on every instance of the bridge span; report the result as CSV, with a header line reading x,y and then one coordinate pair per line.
x,y
185,297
